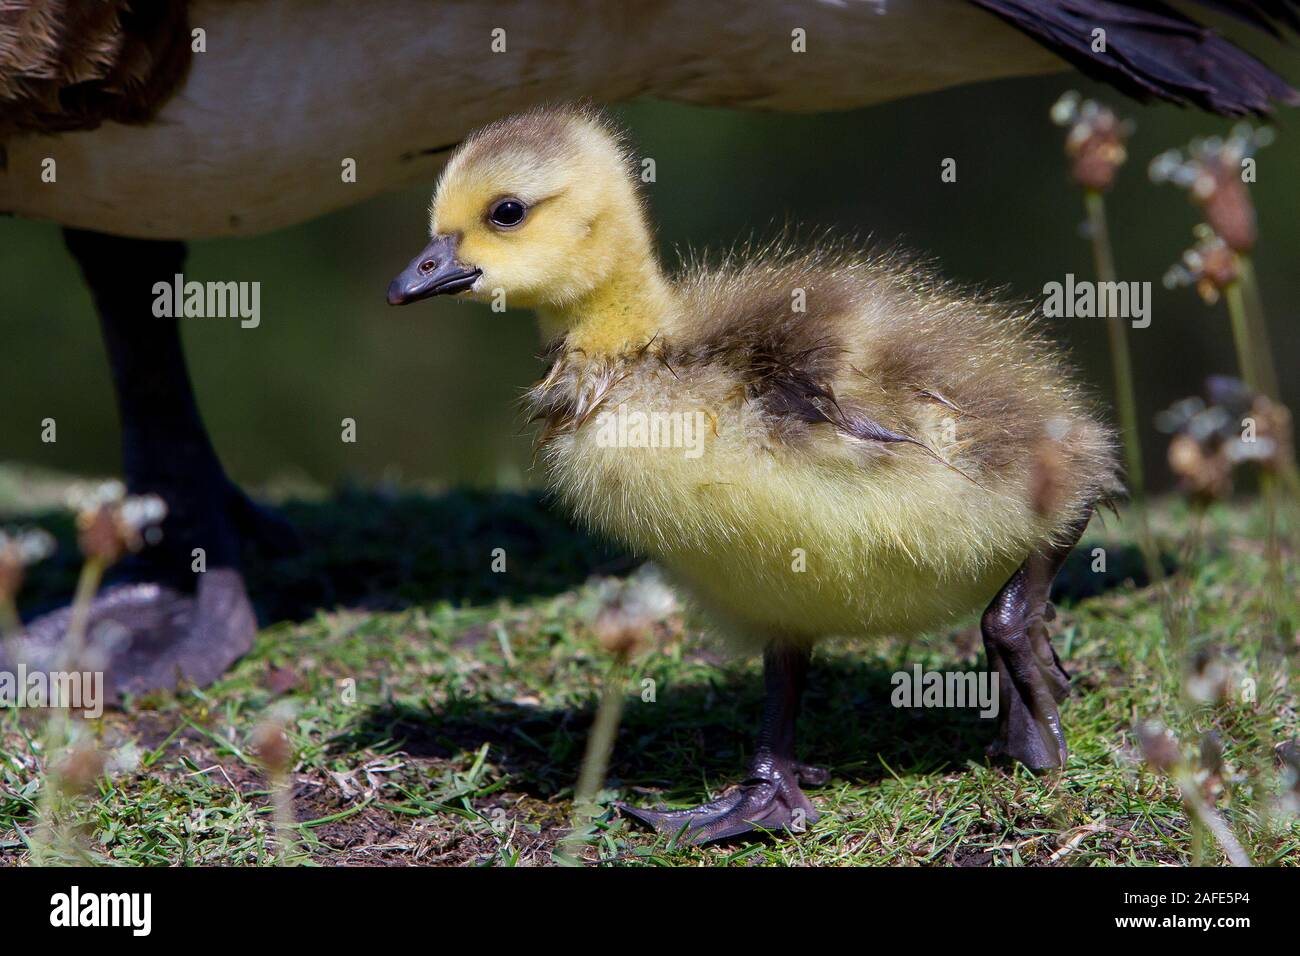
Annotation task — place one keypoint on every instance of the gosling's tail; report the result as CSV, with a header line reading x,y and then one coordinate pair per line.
x,y
1153,51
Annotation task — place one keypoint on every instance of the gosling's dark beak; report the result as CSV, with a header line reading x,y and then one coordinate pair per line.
x,y
435,271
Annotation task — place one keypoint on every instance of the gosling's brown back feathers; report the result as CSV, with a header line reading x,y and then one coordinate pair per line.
x,y
879,352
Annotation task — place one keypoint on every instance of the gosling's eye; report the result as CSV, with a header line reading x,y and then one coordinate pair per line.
x,y
507,213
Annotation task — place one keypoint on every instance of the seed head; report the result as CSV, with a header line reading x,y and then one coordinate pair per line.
x,y
19,550
627,620
1209,680
80,770
1094,140
110,523
1232,426
271,744
1210,265
1212,174
1049,479
1159,745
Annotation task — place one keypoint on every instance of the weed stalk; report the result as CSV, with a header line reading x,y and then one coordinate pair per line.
x,y
1125,393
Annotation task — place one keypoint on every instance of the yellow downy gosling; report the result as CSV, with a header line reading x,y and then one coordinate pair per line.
x,y
812,443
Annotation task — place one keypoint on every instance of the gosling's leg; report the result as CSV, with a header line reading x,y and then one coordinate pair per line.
x,y
168,622
1031,680
769,798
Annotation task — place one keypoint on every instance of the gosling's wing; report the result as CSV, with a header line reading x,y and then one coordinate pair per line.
x,y
885,360
1153,51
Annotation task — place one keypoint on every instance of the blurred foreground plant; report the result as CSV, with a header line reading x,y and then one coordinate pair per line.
x,y
1232,426
1197,785
624,626
109,525
1095,144
19,549
1215,171
270,742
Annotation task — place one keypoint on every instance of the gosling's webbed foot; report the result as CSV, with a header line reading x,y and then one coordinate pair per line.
x,y
1029,728
1031,679
1037,741
148,636
770,800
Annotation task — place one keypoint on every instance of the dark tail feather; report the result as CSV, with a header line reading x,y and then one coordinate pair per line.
x,y
1265,14
1153,51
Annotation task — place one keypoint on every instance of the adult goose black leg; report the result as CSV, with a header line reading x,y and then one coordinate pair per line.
x,y
162,621
770,798
1031,680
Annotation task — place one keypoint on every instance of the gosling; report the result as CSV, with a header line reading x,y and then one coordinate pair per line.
x,y
867,451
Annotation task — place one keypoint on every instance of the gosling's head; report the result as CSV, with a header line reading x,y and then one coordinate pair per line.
x,y
542,207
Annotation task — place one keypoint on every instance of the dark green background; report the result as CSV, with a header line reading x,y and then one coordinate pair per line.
x,y
433,387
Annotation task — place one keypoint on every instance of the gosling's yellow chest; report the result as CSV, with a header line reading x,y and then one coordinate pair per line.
x,y
801,541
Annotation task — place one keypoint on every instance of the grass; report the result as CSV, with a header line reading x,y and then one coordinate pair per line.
x,y
442,719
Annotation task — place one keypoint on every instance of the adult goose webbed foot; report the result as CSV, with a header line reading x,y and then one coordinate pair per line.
x,y
178,611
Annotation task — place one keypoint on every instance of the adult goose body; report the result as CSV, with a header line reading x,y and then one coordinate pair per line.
x,y
162,132
138,124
